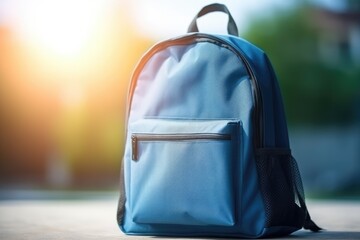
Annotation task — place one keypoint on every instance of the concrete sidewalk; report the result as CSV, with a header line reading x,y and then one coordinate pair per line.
x,y
95,219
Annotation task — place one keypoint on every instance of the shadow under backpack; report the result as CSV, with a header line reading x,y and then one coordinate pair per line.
x,y
207,150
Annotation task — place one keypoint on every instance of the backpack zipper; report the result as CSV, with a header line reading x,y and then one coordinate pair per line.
x,y
201,37
135,138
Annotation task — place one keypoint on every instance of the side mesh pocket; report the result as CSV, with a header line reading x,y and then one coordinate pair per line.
x,y
281,188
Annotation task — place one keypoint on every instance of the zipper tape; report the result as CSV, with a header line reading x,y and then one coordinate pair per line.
x,y
135,138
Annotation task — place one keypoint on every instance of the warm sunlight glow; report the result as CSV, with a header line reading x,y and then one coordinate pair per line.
x,y
64,72
69,42
63,27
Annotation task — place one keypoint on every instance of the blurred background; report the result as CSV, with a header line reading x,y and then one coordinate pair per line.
x,y
65,67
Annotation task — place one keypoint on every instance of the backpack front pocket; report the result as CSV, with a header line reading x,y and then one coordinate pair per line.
x,y
182,171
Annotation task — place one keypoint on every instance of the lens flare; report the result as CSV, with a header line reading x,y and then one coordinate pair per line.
x,y
62,27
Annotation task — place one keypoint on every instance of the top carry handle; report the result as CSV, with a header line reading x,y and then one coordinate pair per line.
x,y
216,7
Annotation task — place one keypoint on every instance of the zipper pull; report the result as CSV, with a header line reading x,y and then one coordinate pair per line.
x,y
134,147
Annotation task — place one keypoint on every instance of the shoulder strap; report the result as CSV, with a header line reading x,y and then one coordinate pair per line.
x,y
299,191
310,225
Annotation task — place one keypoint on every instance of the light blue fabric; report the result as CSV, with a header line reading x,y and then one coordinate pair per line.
x,y
189,182
207,86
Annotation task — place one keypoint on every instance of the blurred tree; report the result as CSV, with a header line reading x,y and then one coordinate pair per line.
x,y
353,4
314,91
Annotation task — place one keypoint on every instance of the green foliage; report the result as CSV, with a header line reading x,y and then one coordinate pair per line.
x,y
314,92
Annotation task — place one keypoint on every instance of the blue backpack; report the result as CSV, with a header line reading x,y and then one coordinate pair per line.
x,y
207,150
